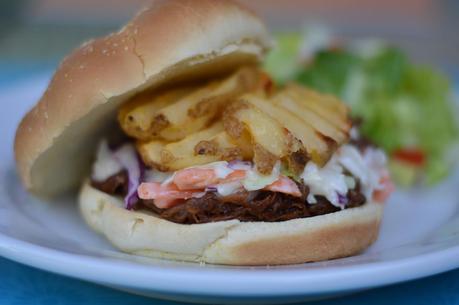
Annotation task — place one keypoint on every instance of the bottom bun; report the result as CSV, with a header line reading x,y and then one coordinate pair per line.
x,y
232,242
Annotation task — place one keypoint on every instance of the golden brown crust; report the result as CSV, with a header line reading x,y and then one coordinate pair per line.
x,y
329,236
172,39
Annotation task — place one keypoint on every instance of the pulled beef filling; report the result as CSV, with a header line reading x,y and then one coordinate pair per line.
x,y
244,206
251,206
116,184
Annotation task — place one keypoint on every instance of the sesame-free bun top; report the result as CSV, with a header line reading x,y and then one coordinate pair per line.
x,y
169,41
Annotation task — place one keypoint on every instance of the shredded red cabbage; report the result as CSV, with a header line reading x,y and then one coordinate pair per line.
x,y
130,160
211,189
342,199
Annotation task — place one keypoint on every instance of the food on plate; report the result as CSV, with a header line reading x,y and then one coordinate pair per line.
x,y
405,108
175,114
184,148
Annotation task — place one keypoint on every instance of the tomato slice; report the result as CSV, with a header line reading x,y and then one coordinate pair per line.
x,y
413,156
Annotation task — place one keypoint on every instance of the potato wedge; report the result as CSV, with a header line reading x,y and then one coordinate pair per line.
x,y
329,107
226,147
150,152
270,140
317,122
135,117
196,110
205,146
319,149
263,129
173,114
174,156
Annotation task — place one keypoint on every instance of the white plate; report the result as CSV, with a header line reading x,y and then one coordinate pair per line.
x,y
419,237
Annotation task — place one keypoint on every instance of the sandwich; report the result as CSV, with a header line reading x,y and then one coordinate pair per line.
x,y
183,148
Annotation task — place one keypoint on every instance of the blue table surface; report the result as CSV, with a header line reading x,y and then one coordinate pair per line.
x,y
24,285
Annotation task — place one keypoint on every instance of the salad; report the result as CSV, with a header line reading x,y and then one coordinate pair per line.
x,y
405,108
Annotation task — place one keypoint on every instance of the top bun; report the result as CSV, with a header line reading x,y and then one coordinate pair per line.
x,y
169,41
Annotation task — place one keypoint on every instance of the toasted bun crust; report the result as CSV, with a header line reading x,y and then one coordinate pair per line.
x,y
167,42
329,236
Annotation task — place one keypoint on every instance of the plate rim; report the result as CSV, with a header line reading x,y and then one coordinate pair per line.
x,y
225,282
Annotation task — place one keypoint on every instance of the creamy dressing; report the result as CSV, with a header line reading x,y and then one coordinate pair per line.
x,y
367,167
330,181
154,175
240,165
226,189
255,181
221,169
106,164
